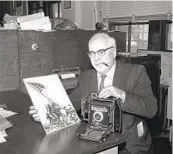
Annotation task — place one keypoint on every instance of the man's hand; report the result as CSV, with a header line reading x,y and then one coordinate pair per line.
x,y
112,91
34,113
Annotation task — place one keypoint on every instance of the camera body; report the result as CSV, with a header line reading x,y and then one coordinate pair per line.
x,y
103,117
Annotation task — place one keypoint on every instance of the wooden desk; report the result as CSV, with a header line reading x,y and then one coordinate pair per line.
x,y
28,137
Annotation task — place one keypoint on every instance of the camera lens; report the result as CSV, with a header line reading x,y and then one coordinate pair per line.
x,y
98,116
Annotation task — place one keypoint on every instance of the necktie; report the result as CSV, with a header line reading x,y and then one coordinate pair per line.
x,y
102,83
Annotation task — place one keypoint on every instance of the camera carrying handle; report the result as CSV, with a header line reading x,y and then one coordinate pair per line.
x,y
118,115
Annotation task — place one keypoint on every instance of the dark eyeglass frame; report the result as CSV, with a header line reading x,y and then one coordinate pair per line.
x,y
100,52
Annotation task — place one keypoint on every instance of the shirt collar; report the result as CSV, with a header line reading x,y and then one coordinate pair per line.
x,y
110,73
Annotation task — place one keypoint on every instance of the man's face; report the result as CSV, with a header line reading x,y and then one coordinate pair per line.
x,y
103,62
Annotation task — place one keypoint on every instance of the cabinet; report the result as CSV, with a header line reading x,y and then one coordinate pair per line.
x,y
68,47
157,35
35,61
9,68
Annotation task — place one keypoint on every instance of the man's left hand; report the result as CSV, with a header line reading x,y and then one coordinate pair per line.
x,y
112,91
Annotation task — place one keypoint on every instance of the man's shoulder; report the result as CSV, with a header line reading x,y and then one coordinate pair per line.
x,y
130,66
88,72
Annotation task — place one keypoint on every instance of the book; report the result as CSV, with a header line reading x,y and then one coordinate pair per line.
x,y
37,24
52,102
4,123
30,17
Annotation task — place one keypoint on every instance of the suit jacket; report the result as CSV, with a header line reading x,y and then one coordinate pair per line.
x,y
139,104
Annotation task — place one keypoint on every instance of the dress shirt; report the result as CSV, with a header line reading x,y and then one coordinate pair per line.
x,y
109,77
109,80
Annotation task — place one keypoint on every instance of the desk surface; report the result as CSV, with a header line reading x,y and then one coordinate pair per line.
x,y
28,137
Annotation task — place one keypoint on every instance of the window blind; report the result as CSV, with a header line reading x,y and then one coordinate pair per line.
x,y
118,11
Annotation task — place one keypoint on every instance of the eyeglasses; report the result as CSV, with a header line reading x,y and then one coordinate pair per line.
x,y
100,52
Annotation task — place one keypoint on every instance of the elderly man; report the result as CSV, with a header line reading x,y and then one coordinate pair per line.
x,y
128,82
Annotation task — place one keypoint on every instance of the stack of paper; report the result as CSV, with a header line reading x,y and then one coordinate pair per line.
x,y
10,22
4,123
36,21
30,17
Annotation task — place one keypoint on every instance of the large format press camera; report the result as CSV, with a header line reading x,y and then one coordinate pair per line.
x,y
103,117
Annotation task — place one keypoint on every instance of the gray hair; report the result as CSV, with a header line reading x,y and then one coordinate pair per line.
x,y
110,40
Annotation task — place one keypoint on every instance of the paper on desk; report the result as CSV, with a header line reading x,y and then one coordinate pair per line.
x,y
4,123
3,132
6,113
2,139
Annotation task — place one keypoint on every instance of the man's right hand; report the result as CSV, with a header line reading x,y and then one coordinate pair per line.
x,y
33,112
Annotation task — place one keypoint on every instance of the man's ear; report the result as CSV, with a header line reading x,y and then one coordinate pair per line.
x,y
88,56
114,53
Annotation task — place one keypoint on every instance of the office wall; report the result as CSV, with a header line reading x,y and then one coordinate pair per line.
x,y
87,15
70,12
82,13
